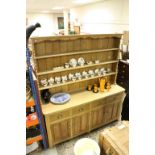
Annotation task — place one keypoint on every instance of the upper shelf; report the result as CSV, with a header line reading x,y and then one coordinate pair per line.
x,y
78,67
74,53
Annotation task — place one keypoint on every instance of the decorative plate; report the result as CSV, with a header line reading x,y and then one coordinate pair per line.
x,y
73,62
60,98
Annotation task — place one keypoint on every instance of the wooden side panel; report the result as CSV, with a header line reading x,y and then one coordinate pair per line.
x,y
39,48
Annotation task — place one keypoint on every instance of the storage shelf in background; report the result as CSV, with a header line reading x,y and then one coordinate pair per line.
x,y
71,82
75,53
78,67
30,103
34,139
32,123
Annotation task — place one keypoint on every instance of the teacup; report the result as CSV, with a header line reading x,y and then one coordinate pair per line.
x,y
51,81
85,74
78,75
66,65
97,71
97,61
44,82
70,76
108,70
57,79
91,73
64,78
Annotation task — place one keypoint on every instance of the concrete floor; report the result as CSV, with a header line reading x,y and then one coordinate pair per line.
x,y
51,151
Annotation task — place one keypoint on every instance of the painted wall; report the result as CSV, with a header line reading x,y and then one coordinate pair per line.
x,y
48,23
109,16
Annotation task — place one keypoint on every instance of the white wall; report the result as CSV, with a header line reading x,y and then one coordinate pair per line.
x,y
48,23
109,16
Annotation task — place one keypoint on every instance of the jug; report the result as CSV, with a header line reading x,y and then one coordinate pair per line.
x,y
102,84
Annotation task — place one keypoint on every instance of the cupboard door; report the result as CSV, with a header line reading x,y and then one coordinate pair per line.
x,y
108,113
97,117
115,113
80,124
61,131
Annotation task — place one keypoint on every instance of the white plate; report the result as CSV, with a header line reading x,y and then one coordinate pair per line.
x,y
73,62
60,98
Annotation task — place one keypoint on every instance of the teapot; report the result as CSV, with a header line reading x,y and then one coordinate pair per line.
x,y
102,83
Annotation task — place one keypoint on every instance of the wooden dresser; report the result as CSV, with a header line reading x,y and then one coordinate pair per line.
x,y
86,110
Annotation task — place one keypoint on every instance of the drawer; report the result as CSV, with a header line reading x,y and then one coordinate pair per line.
x,y
80,109
59,115
114,98
98,103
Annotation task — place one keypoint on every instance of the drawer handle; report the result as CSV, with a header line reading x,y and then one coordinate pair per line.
x,y
60,116
81,109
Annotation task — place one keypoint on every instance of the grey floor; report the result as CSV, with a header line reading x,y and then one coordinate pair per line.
x,y
51,151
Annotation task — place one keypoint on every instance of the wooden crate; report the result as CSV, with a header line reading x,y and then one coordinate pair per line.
x,y
115,140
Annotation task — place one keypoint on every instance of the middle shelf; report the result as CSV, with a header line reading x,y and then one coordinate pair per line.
x,y
71,82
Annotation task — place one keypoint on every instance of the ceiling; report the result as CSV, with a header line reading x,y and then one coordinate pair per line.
x,y
54,6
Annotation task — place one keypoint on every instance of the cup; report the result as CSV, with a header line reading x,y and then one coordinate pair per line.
x,y
50,81
66,65
97,61
44,82
57,79
64,78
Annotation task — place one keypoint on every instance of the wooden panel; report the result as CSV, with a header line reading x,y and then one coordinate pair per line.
x,y
48,47
39,49
41,65
80,124
80,109
98,103
108,112
55,47
97,117
61,131
58,116
76,45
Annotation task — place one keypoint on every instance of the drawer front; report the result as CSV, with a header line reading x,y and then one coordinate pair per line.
x,y
98,103
59,115
114,98
80,109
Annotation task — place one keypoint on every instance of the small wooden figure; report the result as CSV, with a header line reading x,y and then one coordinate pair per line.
x,y
108,86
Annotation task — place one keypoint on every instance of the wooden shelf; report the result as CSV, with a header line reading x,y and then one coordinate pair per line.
x,y
30,103
78,67
34,139
71,82
74,53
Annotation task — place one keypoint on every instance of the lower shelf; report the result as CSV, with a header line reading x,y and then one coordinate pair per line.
x,y
34,139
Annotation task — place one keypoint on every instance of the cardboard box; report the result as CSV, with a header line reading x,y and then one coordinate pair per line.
x,y
115,140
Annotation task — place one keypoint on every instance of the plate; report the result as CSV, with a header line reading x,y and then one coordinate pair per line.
x,y
73,62
60,98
